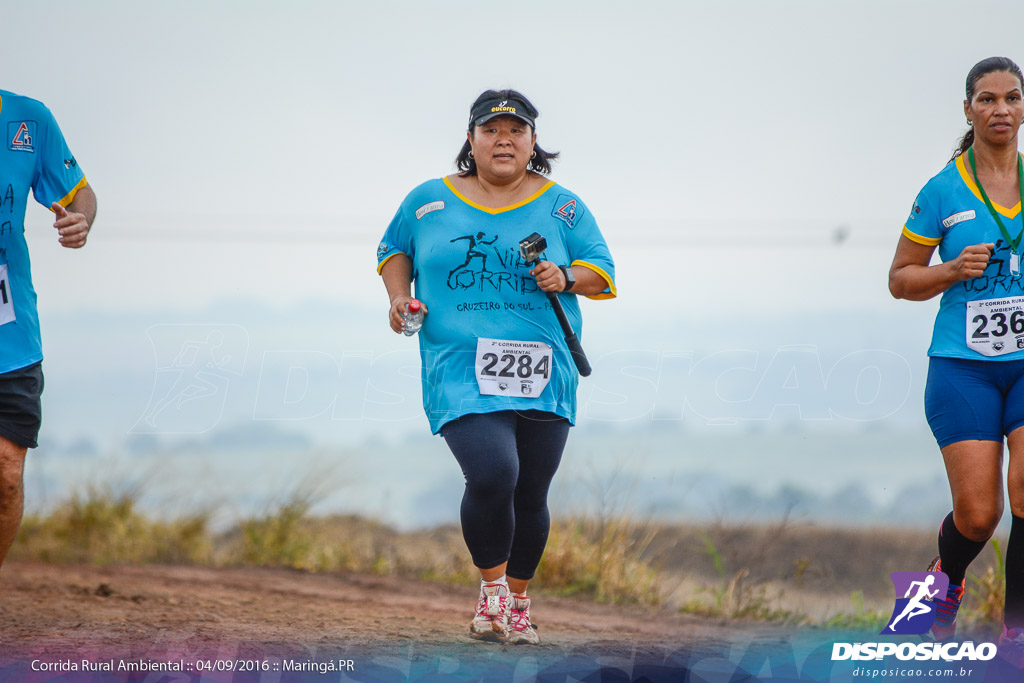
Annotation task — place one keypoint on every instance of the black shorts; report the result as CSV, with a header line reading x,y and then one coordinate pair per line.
x,y
21,411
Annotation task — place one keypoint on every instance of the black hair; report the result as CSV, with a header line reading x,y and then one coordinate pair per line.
x,y
541,163
983,68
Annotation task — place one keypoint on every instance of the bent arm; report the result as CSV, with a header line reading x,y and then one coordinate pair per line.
x,y
74,222
910,276
85,204
588,282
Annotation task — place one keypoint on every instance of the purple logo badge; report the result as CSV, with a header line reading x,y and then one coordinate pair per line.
x,y
914,612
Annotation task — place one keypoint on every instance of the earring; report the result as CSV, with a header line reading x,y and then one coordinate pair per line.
x,y
470,154
969,122
534,154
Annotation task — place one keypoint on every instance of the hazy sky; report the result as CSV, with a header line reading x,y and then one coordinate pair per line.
x,y
254,152
257,150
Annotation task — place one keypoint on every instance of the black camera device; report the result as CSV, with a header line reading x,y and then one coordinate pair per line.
x,y
532,250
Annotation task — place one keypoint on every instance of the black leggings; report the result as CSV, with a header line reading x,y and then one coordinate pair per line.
x,y
508,459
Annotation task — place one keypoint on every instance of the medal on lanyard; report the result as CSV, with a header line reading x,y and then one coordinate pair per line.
x,y
1014,243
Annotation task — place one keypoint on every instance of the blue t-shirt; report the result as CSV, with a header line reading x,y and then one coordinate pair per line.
x,y
950,213
468,271
33,156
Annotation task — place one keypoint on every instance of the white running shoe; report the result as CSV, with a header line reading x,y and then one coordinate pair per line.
x,y
520,630
491,619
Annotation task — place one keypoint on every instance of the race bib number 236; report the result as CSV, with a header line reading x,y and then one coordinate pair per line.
x,y
6,301
505,367
996,326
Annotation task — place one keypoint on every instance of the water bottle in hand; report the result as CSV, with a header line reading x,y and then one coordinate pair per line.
x,y
413,319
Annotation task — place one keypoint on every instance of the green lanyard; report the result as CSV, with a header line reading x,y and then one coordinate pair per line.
x,y
1014,243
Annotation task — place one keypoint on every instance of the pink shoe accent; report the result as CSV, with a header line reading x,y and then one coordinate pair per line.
x,y
490,621
520,629
946,608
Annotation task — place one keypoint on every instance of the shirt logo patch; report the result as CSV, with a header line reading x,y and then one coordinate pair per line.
x,y
21,136
428,207
382,249
567,210
959,218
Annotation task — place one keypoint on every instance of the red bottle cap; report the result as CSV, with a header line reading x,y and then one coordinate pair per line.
x,y
414,306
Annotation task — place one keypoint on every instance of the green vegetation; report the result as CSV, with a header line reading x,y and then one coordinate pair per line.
x,y
860,618
723,572
983,604
98,527
734,596
596,560
602,560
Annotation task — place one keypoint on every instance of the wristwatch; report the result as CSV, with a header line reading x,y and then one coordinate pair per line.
x,y
570,277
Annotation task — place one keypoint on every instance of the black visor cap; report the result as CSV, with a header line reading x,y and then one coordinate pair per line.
x,y
485,111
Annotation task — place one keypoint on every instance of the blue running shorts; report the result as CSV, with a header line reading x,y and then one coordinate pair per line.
x,y
968,400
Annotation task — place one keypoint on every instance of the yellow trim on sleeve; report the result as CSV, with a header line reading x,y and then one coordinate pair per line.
x,y
70,196
914,237
381,264
503,209
973,187
607,278
1,104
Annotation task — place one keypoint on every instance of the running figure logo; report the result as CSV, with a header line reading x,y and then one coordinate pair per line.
x,y
914,612
464,276
194,367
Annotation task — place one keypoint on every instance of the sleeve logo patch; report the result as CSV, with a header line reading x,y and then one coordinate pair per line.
x,y
958,218
567,210
382,249
428,207
21,136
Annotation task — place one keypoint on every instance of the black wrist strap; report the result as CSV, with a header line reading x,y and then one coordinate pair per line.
x,y
570,277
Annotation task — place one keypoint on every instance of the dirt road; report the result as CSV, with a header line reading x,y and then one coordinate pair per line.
x,y
408,628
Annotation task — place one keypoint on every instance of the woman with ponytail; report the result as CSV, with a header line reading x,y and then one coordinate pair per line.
x,y
971,211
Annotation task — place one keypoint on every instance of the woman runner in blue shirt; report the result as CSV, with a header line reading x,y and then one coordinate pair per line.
x,y
975,390
499,383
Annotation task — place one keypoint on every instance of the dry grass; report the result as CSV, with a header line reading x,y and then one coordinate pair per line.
x,y
983,605
99,527
782,573
602,560
860,618
289,538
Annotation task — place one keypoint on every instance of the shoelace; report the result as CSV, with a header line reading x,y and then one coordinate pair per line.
x,y
520,619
